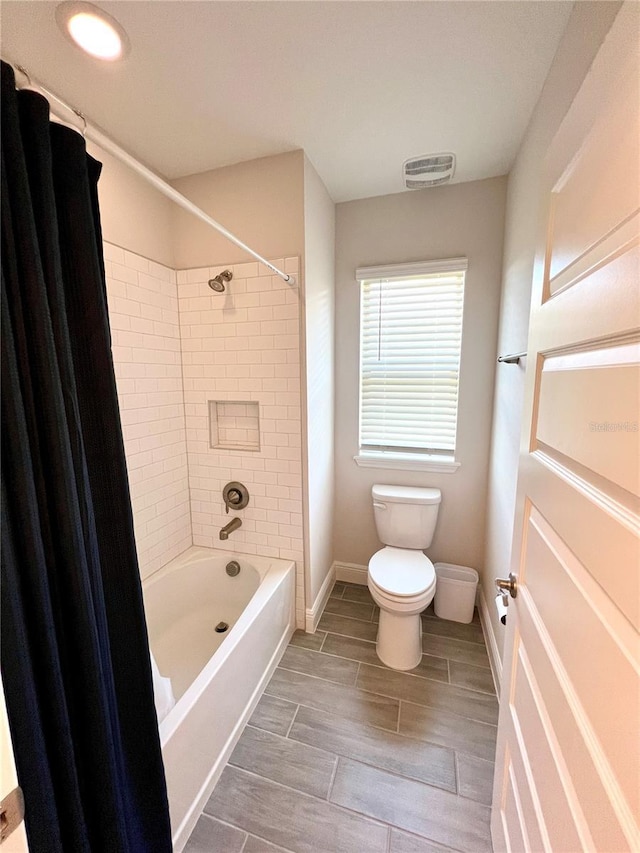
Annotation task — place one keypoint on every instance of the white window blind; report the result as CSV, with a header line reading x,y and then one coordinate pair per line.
x,y
411,334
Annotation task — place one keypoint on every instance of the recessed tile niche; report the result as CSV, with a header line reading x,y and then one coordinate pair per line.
x,y
234,425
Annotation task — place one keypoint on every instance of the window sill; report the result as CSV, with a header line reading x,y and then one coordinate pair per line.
x,y
407,462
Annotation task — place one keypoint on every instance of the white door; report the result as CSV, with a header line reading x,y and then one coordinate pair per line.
x,y
16,842
567,766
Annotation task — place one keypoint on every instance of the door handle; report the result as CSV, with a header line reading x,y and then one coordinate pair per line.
x,y
508,586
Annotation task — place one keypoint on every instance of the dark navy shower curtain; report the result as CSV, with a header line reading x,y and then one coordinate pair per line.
x,y
75,658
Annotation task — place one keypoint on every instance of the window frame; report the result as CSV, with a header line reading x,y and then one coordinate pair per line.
x,y
412,460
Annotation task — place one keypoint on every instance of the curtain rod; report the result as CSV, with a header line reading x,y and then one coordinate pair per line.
x,y
95,135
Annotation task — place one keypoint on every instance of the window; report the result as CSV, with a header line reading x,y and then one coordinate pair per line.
x,y
410,339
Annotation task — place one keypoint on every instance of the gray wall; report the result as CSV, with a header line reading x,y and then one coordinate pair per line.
x,y
460,220
319,275
260,201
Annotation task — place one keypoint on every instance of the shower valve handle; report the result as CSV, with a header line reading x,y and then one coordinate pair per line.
x,y
235,495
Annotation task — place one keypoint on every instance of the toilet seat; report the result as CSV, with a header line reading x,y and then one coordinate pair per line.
x,y
401,573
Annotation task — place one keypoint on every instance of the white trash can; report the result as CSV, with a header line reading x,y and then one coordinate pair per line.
x,y
455,595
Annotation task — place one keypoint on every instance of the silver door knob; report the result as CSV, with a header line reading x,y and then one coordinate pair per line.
x,y
508,586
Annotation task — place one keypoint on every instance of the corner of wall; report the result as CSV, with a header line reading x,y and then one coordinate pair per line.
x,y
318,325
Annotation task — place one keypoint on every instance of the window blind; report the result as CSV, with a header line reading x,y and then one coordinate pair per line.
x,y
411,334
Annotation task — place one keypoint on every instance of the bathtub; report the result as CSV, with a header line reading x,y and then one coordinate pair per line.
x,y
217,678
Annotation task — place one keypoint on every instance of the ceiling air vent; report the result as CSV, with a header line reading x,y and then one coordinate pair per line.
x,y
430,170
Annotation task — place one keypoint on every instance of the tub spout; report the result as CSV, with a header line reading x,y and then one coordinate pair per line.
x,y
234,524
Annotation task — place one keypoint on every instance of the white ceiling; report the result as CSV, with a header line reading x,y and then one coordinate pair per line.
x,y
361,86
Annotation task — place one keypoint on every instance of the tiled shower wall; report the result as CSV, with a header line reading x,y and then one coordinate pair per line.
x,y
145,331
243,345
178,345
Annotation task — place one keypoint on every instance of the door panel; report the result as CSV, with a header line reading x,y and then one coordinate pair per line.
x,y
597,191
575,389
556,795
568,753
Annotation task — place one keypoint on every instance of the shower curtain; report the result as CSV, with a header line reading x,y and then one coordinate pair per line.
x,y
75,657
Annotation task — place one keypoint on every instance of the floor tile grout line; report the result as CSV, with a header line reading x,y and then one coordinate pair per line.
x,y
343,808
367,763
424,654
333,779
456,772
380,665
293,719
319,677
338,806
413,834
386,695
355,618
261,838
406,779
444,746
402,734
471,690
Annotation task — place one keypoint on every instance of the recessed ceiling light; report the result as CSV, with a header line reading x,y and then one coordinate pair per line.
x,y
92,30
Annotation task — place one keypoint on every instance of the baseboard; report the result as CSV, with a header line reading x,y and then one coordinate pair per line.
x,y
351,573
181,835
490,639
312,614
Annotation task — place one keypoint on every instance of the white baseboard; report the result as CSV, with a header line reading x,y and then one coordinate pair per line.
x,y
351,573
490,639
313,613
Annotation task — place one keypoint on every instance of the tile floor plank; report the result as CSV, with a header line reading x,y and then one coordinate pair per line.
x,y
290,819
423,691
293,764
475,778
458,650
273,714
379,711
448,729
473,677
351,609
211,836
259,845
328,667
387,750
361,650
470,633
430,812
352,592
402,842
336,624
308,641
387,746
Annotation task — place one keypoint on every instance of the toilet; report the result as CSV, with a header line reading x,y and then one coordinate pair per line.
x,y
401,579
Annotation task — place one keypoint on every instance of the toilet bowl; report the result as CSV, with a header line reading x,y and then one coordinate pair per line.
x,y
401,579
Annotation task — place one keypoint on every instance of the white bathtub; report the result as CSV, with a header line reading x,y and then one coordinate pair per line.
x,y
217,678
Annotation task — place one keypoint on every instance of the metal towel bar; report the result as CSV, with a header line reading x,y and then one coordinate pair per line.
x,y
512,359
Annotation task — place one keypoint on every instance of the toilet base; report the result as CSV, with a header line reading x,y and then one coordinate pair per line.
x,y
399,643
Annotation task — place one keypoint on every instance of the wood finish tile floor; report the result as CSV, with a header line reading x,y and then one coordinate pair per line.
x,y
344,755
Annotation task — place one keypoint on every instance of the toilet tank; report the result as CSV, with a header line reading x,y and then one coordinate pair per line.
x,y
405,516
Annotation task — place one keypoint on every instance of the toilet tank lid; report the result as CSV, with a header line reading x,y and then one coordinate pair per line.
x,y
406,494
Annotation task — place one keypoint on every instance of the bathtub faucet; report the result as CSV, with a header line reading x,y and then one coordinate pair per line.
x,y
234,524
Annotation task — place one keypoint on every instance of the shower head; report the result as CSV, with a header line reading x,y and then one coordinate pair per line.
x,y
217,283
